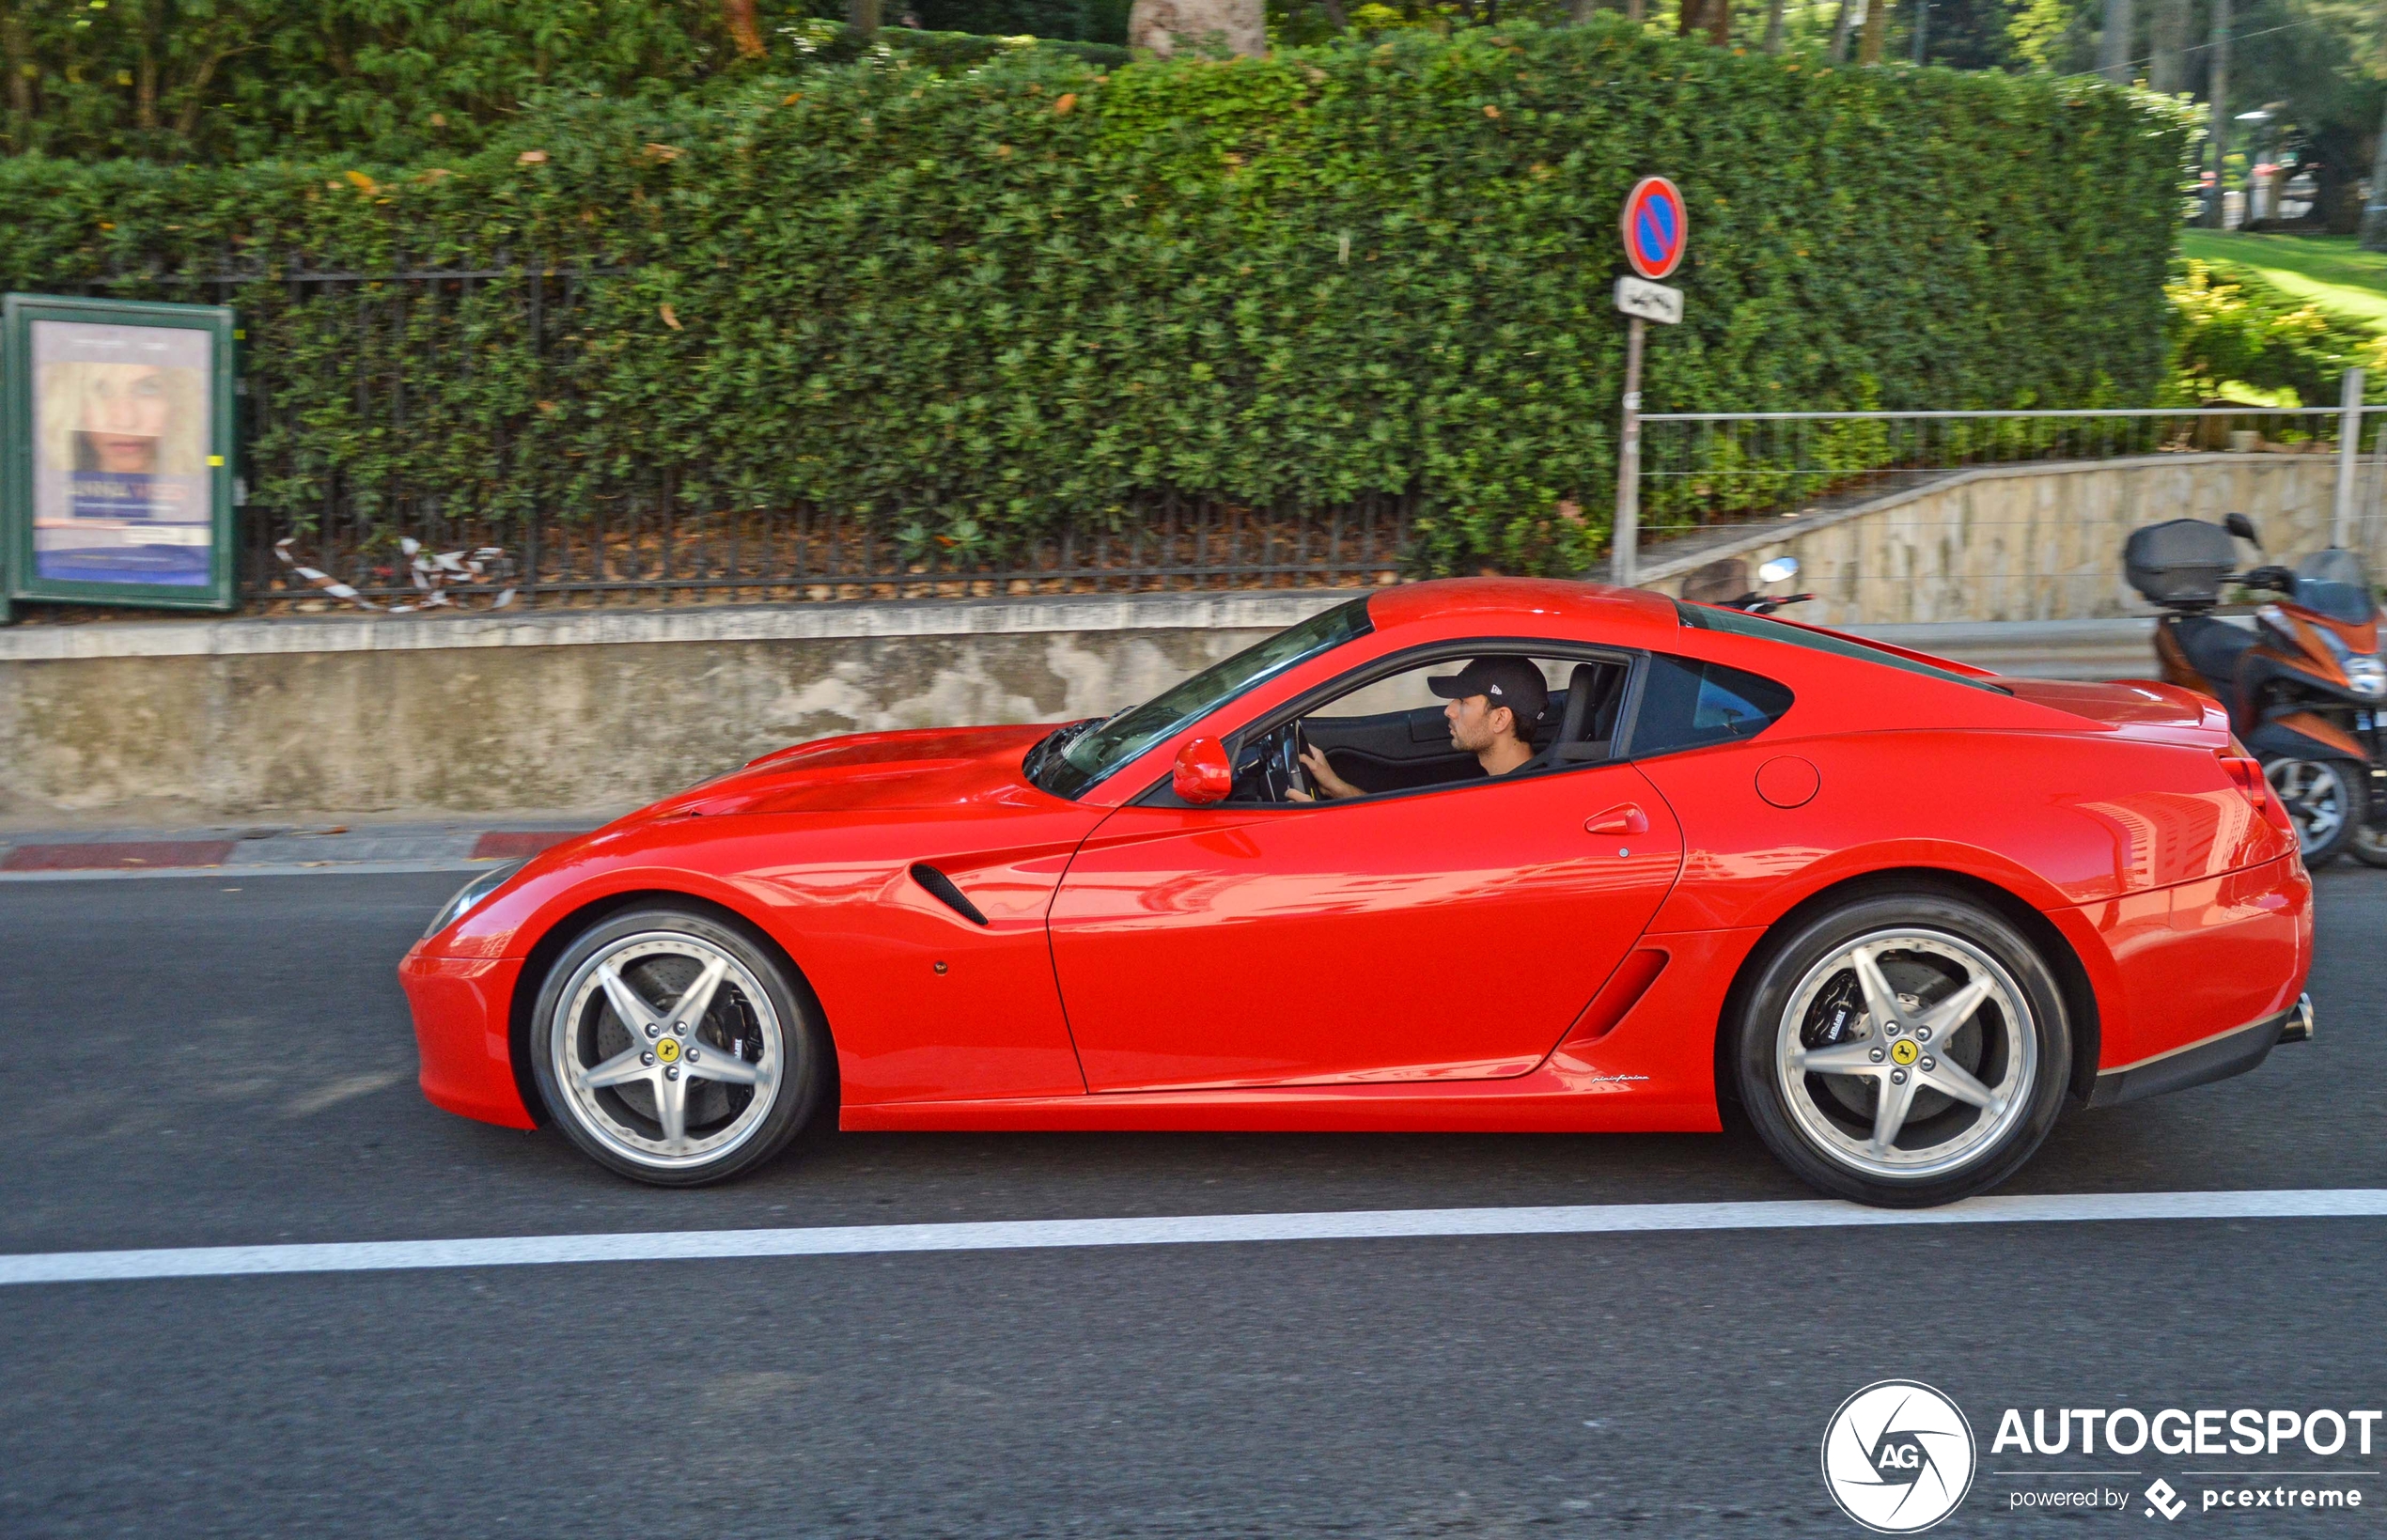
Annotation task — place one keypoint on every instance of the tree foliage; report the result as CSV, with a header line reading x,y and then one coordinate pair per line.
x,y
1030,293
231,79
2230,329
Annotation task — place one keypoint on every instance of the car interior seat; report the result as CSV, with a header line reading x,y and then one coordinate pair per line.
x,y
1586,724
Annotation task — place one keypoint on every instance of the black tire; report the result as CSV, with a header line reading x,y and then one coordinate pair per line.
x,y
2368,844
1824,1136
2305,787
760,1027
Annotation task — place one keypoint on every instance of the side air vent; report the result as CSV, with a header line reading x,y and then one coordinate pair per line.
x,y
946,894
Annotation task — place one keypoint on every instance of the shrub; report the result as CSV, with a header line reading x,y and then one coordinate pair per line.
x,y
1032,293
2230,327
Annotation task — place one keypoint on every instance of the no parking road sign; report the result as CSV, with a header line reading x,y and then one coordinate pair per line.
x,y
1656,227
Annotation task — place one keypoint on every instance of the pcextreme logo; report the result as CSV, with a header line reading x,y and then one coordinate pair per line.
x,y
1897,1456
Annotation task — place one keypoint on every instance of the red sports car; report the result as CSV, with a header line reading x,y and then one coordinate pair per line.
x,y
1486,854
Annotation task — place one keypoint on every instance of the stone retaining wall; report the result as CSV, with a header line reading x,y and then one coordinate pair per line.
x,y
2028,542
197,720
194,722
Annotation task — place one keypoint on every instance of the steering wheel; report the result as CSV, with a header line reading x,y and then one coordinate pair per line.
x,y
1282,772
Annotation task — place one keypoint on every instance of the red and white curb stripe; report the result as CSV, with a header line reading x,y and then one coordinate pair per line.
x,y
54,862
1212,1229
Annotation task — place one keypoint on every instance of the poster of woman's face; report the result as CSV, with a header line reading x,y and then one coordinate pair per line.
x,y
120,454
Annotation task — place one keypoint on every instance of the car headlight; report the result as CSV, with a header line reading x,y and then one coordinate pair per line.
x,y
470,895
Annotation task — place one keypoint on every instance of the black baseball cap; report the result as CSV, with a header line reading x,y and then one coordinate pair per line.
x,y
1513,682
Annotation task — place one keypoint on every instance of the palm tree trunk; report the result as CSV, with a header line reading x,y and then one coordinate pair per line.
x,y
2113,51
1238,26
1852,12
2167,69
1876,25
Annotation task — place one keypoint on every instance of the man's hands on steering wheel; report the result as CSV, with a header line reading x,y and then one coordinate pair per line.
x,y
1313,778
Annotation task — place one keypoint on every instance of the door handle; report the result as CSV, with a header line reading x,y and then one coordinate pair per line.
x,y
1623,818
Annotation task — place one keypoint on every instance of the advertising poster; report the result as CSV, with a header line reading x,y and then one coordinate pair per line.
x,y
118,452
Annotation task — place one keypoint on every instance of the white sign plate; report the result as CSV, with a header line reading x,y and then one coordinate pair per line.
x,y
1650,301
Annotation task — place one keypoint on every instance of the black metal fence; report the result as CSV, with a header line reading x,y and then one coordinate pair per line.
x,y
353,442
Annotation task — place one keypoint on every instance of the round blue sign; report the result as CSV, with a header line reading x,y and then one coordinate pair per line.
x,y
1656,227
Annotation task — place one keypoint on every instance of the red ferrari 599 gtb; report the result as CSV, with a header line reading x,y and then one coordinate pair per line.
x,y
1898,909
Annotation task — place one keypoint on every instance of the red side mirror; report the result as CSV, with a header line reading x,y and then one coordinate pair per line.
x,y
1202,774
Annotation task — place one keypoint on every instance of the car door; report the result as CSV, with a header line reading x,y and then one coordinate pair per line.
x,y
1454,932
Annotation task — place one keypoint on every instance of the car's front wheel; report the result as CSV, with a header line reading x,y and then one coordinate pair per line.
x,y
672,1048
1904,1050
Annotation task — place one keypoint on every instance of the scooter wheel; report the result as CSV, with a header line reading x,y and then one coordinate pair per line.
x,y
2322,798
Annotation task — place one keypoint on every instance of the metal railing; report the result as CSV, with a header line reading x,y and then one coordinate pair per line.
x,y
346,452
1710,481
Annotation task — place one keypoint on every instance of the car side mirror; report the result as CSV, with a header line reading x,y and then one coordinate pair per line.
x,y
2244,527
1202,774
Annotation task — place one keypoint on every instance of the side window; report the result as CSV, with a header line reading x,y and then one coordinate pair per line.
x,y
1688,704
1392,733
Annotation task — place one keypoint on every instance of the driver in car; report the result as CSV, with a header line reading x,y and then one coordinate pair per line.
x,y
1495,705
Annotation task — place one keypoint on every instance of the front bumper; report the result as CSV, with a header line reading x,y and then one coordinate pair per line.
x,y
2215,1058
463,1010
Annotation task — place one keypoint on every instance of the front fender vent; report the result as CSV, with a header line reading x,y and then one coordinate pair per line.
x,y
946,894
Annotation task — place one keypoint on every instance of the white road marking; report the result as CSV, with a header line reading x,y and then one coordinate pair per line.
x,y
1207,1229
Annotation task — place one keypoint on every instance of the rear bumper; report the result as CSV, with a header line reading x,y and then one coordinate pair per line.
x,y
2216,1058
462,1009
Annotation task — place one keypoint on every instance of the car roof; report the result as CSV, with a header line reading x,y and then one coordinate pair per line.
x,y
1554,607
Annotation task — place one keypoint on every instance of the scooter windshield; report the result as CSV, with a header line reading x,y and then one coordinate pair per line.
x,y
2334,584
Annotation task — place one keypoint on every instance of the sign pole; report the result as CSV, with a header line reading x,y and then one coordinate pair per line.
x,y
1625,543
2349,453
1656,228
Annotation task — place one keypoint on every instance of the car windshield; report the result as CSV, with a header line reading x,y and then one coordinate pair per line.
x,y
1094,751
2334,584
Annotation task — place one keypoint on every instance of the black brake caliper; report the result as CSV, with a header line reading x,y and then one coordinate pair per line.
x,y
1833,1017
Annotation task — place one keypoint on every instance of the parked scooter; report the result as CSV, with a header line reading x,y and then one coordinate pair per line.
x,y
2305,688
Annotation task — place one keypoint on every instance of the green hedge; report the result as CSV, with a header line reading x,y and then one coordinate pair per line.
x,y
1034,293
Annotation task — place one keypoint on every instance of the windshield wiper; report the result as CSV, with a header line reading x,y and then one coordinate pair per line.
x,y
1054,742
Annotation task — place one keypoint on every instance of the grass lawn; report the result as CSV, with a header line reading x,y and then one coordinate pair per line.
x,y
2327,270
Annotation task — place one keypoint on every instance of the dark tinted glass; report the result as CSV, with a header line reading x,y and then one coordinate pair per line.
x,y
1740,623
1686,704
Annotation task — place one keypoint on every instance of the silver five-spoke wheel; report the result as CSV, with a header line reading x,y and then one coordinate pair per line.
x,y
1906,1050
1904,1047
674,1047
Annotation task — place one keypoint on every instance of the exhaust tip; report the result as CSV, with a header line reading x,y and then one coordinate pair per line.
x,y
2297,1028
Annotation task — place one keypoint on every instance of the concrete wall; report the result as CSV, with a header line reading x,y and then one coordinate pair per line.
x,y
196,722
181,722
2029,542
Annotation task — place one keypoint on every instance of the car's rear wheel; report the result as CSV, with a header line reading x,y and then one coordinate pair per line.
x,y
1904,1050
672,1048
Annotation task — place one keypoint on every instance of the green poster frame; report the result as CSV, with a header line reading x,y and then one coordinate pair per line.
x,y
18,312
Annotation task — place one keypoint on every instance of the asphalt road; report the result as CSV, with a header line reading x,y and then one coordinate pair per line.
x,y
213,1060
